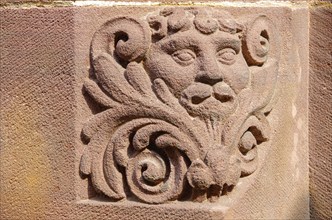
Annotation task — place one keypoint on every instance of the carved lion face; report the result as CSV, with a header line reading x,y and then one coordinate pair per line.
x,y
203,67
153,75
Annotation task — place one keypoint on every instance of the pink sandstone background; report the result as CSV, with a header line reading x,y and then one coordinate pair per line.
x,y
43,52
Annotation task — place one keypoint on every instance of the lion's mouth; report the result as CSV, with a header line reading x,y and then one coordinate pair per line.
x,y
203,100
223,93
198,93
196,100
223,98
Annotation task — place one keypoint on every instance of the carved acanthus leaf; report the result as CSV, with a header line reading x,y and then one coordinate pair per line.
x,y
161,137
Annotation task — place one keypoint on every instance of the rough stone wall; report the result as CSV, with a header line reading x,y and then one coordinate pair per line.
x,y
320,116
36,133
43,65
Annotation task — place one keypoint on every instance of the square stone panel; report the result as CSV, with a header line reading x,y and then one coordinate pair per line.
x,y
49,101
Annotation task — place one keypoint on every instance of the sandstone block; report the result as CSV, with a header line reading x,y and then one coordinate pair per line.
x,y
154,112
320,112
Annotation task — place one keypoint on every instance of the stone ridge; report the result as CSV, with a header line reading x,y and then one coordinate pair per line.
x,y
320,115
58,3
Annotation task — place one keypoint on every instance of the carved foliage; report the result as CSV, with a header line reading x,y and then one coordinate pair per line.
x,y
186,93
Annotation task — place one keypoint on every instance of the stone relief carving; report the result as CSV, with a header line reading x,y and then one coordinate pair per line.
x,y
185,95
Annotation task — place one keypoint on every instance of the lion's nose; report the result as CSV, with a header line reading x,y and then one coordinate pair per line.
x,y
209,73
209,77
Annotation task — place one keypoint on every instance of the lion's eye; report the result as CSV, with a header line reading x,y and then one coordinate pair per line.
x,y
226,56
184,57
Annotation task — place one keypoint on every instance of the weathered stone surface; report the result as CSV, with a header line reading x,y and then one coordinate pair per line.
x,y
37,113
41,2
45,108
185,91
320,112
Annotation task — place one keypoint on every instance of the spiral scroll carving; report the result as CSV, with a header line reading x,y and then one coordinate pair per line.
x,y
179,124
258,41
154,166
124,37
